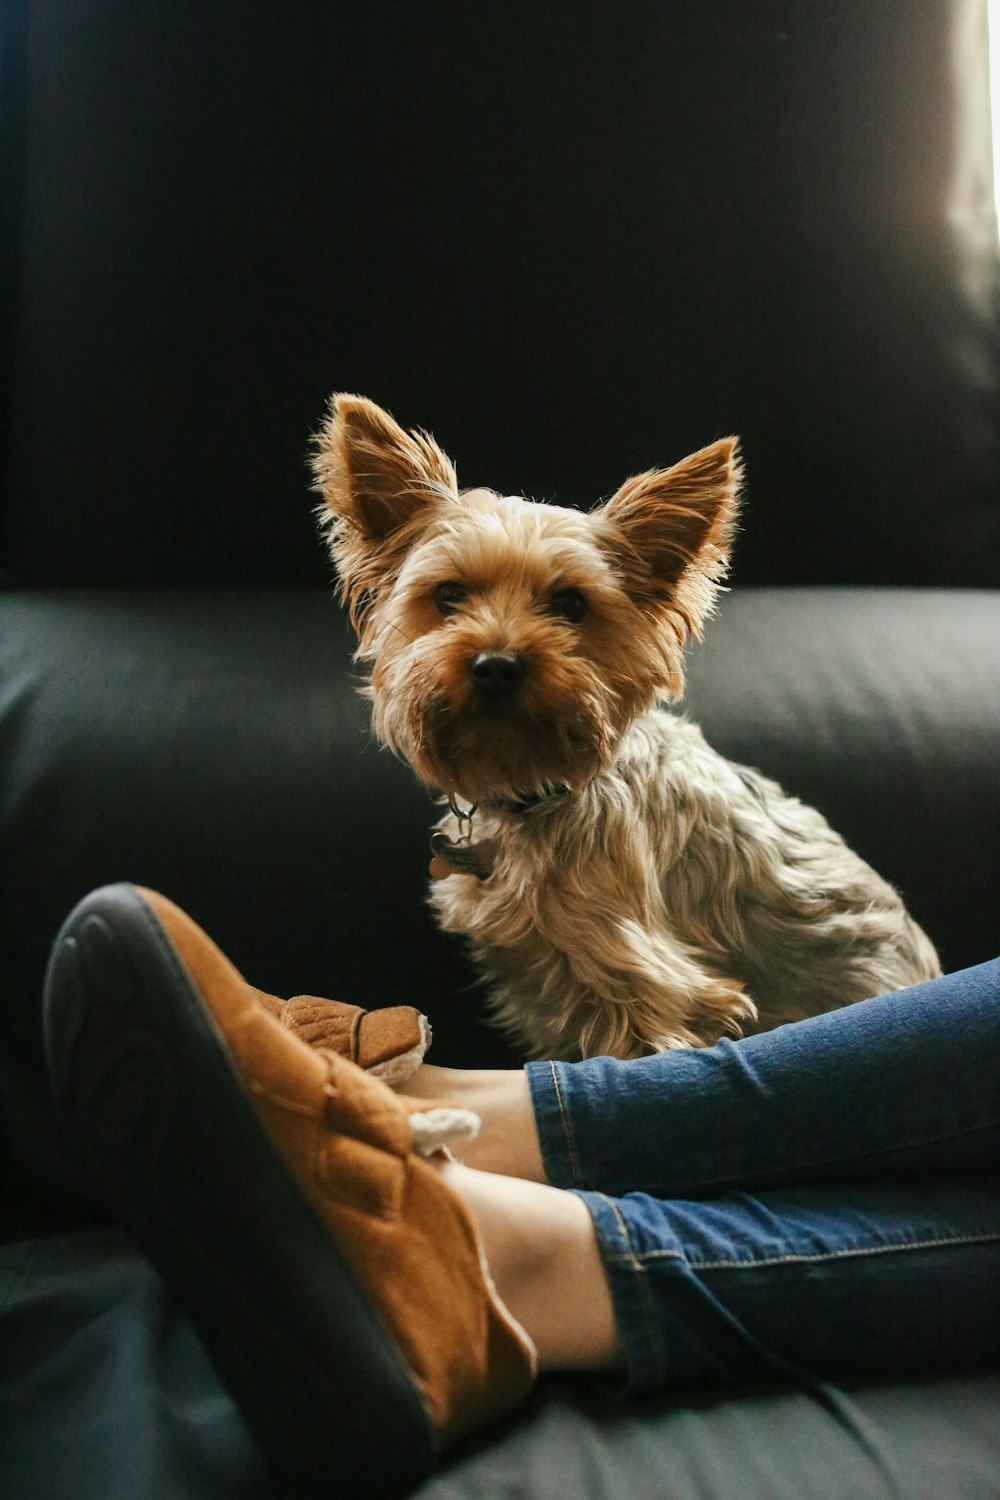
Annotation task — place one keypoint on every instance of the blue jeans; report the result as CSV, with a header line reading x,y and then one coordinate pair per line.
x,y
818,1201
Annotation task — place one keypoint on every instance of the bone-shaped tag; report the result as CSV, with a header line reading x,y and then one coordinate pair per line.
x,y
462,859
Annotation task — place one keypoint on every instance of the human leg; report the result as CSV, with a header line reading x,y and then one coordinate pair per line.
x,y
819,1282
545,1259
869,1241
825,1281
701,1282
904,1085
822,1282
508,1140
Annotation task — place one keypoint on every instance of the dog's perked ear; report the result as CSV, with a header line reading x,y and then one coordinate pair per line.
x,y
671,530
374,475
379,485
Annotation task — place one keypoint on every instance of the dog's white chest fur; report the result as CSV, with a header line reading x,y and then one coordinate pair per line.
x,y
675,898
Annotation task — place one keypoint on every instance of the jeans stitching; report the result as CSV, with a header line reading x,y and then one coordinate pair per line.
x,y
574,1160
630,1259
787,1260
634,1263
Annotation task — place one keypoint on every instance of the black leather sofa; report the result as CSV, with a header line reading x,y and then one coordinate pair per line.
x,y
574,241
212,745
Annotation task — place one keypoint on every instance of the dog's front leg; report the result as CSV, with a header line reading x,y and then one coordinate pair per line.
x,y
637,990
577,976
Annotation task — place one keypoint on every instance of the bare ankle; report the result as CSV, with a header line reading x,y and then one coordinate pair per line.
x,y
541,1249
508,1139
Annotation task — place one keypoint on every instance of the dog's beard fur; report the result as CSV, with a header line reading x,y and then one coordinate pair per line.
x,y
647,563
617,925
581,688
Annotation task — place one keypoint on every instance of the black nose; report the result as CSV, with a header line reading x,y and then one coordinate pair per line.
x,y
497,674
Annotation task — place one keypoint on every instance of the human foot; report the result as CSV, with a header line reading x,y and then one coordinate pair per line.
x,y
335,1276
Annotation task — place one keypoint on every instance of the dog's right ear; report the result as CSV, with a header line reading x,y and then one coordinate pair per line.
x,y
379,485
374,477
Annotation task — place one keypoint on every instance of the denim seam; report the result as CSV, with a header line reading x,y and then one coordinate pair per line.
x,y
789,1260
574,1160
634,1263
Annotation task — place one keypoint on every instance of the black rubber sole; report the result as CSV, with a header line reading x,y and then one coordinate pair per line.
x,y
143,1080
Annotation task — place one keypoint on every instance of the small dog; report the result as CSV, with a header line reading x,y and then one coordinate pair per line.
x,y
629,890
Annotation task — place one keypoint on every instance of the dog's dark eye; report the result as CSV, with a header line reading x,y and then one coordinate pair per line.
x,y
570,605
449,595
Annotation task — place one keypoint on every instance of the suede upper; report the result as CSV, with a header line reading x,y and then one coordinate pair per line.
x,y
370,1038
344,1137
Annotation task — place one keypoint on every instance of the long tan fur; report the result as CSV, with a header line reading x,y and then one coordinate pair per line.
x,y
665,897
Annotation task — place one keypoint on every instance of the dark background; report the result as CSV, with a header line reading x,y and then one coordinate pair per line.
x,y
573,239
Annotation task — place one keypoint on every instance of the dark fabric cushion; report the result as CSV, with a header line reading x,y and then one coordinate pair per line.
x,y
107,1394
212,745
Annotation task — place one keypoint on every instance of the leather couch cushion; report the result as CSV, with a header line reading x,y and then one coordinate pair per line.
x,y
212,745
111,1394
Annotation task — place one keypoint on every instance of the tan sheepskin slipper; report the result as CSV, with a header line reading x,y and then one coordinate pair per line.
x,y
390,1043
336,1280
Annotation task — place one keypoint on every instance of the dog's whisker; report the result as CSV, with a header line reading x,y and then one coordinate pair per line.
x,y
393,625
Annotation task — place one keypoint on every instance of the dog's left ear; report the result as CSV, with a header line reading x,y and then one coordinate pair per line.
x,y
671,529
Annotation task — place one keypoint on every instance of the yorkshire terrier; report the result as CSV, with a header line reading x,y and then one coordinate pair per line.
x,y
625,888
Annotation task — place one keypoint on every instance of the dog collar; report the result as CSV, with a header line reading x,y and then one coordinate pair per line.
x,y
463,857
529,803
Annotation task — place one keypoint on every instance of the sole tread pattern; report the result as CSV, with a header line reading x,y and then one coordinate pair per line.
x,y
150,1096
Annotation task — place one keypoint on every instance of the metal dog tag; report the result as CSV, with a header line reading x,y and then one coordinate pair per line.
x,y
462,859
